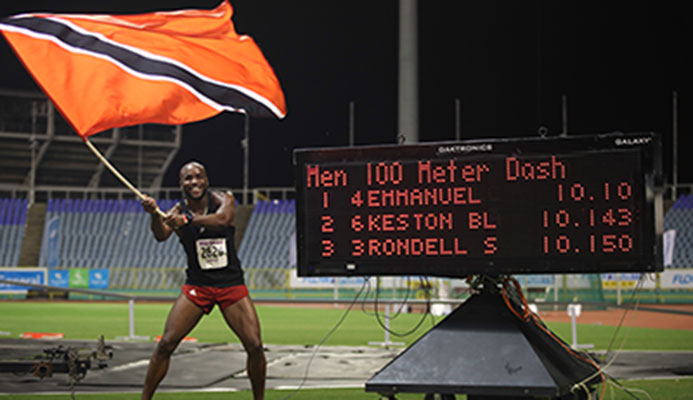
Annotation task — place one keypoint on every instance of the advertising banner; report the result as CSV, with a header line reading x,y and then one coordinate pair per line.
x,y
98,278
52,242
37,276
59,278
79,278
325,282
677,279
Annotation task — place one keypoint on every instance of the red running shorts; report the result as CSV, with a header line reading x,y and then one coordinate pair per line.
x,y
206,297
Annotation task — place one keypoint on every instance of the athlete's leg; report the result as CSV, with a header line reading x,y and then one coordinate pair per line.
x,y
242,319
184,315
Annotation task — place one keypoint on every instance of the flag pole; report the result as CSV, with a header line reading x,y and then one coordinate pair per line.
x,y
118,174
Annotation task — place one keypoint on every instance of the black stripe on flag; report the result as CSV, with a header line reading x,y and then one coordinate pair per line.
x,y
222,95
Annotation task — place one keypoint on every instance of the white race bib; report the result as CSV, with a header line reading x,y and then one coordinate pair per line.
x,y
211,253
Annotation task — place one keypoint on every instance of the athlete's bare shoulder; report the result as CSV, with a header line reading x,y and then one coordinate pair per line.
x,y
222,198
225,205
224,202
216,198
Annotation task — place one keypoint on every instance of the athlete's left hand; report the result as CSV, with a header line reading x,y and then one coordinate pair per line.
x,y
175,220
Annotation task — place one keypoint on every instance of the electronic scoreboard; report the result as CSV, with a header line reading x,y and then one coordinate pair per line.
x,y
529,205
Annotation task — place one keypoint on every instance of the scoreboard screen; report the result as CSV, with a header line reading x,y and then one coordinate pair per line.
x,y
532,205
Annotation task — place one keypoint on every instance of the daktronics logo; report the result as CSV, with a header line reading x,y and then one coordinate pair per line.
x,y
465,148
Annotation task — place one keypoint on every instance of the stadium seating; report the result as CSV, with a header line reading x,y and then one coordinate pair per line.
x,y
106,233
266,240
12,219
680,219
115,234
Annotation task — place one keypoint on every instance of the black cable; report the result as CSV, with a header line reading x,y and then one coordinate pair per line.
x,y
627,310
334,328
365,299
433,320
404,301
418,325
625,389
402,304
608,357
516,301
638,287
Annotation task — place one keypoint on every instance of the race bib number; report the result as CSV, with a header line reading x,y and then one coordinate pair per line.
x,y
211,253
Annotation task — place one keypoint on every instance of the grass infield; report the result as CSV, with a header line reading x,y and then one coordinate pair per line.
x,y
670,389
303,326
282,325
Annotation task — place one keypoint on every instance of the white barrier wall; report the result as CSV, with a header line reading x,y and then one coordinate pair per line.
x,y
669,279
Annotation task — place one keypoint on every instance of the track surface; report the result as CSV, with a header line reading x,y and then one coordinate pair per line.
x,y
639,317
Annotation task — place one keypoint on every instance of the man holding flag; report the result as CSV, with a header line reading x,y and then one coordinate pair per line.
x,y
203,223
170,67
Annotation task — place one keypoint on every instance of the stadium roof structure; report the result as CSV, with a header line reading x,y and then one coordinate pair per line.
x,y
38,148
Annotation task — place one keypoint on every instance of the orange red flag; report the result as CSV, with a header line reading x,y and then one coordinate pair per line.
x,y
170,67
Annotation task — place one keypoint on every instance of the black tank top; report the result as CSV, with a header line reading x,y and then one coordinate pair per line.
x,y
212,257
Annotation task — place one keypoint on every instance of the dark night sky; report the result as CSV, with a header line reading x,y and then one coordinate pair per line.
x,y
508,62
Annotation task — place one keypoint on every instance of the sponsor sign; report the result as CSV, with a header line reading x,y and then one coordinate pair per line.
x,y
51,240
59,277
628,280
539,281
79,278
325,282
37,276
98,278
669,279
677,279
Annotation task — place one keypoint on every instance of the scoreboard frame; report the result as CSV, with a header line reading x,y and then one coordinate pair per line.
x,y
363,211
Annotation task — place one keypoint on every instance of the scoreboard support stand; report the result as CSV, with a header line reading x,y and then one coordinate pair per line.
x,y
486,352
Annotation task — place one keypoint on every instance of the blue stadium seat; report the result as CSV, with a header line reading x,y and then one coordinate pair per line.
x,y
266,240
107,233
12,220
